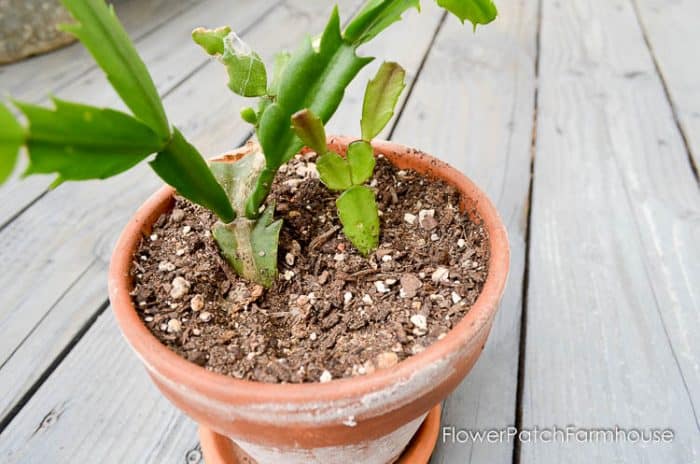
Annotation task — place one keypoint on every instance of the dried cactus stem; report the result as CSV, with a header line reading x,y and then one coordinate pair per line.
x,y
250,246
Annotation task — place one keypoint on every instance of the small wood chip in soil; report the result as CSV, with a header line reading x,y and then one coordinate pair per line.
x,y
333,313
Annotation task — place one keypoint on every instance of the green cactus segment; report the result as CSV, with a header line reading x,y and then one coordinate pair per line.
x,y
180,165
80,142
381,96
313,78
334,171
250,246
357,209
246,70
101,33
361,160
281,61
309,128
249,115
238,178
12,137
475,11
376,16
211,40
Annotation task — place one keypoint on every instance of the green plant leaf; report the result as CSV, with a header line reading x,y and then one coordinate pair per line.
x,y
281,60
12,137
376,16
314,78
357,209
180,165
249,115
476,11
246,71
211,40
361,160
80,142
237,174
334,171
381,95
250,246
101,33
260,192
310,130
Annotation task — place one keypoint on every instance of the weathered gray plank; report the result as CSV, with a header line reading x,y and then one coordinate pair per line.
x,y
217,126
171,56
673,33
34,78
17,442
69,420
473,107
612,317
53,249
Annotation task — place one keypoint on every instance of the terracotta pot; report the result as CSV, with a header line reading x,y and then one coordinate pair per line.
x,y
217,449
368,419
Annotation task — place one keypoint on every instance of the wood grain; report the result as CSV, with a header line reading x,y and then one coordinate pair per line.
x,y
171,57
672,31
87,288
614,263
34,78
612,309
473,107
57,250
72,420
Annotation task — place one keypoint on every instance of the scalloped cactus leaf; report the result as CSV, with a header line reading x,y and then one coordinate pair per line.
x,y
357,209
381,96
250,246
102,34
474,11
211,40
334,171
246,70
309,128
361,160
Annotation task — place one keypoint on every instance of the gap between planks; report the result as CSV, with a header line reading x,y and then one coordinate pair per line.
x,y
184,92
612,257
685,132
526,272
7,419
37,77
473,89
30,79
26,192
71,288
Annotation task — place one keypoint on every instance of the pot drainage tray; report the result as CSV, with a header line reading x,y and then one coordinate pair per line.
x,y
218,449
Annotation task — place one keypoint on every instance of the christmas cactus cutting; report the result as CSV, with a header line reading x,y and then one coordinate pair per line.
x,y
80,142
333,289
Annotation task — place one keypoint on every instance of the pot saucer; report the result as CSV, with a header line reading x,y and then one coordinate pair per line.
x,y
218,449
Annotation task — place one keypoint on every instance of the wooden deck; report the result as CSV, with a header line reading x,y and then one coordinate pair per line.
x,y
580,118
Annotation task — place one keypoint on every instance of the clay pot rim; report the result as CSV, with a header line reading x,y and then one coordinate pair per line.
x,y
158,357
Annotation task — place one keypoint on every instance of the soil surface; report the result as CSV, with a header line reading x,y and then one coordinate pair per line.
x,y
332,313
